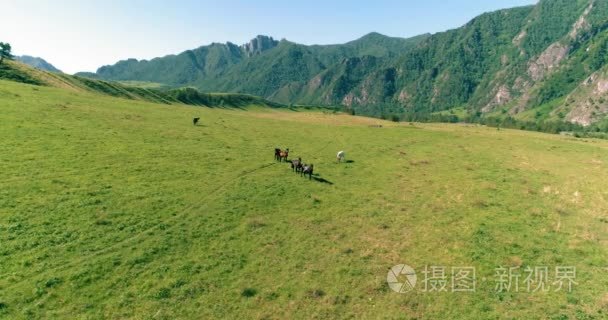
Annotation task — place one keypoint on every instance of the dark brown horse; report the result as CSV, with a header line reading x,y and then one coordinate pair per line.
x,y
195,121
277,154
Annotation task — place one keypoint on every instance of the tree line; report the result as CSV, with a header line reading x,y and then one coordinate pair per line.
x,y
597,130
5,51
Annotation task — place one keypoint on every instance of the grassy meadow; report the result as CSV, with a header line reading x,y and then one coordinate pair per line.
x,y
122,209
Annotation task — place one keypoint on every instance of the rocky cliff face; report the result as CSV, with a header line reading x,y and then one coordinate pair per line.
x,y
258,45
540,61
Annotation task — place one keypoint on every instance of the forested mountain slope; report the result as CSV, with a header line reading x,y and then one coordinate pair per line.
x,y
537,63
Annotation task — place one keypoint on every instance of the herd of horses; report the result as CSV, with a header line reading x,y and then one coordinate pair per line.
x,y
297,165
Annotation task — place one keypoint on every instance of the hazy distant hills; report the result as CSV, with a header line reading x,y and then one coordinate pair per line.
x,y
538,63
38,63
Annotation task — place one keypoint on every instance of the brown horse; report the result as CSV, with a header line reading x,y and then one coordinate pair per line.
x,y
283,155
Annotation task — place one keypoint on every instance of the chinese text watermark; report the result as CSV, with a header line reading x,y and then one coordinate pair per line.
x,y
403,278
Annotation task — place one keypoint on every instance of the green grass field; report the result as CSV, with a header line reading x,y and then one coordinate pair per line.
x,y
122,209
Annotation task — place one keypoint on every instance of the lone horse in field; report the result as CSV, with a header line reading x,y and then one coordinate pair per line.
x,y
340,156
195,121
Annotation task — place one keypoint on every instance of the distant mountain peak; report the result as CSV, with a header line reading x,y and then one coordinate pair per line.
x,y
259,44
373,34
37,63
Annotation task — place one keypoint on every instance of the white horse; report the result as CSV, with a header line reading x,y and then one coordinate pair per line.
x,y
341,155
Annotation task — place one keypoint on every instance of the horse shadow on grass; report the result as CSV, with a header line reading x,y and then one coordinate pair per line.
x,y
350,161
322,180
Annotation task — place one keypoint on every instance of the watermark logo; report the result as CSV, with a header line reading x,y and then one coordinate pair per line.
x,y
401,278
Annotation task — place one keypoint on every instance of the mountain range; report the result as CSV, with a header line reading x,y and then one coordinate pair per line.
x,y
546,62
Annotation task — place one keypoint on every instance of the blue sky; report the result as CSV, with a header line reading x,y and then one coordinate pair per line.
x,y
82,35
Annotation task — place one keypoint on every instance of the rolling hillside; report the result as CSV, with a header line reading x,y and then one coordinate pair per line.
x,y
135,91
539,63
121,208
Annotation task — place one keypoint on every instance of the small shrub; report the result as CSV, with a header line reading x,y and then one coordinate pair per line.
x,y
249,292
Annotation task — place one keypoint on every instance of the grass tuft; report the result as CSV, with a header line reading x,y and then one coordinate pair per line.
x,y
249,292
